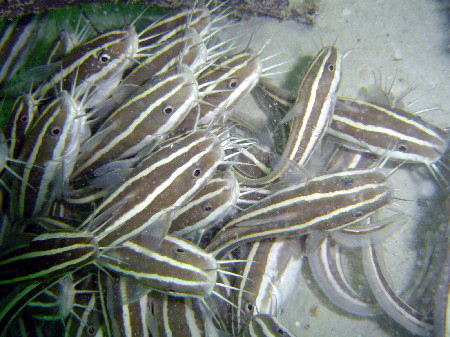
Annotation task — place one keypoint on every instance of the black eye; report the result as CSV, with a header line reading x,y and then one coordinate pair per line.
x,y
207,208
358,214
180,250
331,67
91,330
103,57
233,83
23,119
280,331
168,109
197,173
55,131
347,182
250,307
402,148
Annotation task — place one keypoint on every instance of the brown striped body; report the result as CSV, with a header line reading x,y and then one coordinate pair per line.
x,y
154,109
323,203
175,267
167,179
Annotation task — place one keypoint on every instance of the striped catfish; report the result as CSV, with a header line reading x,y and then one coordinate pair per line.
x,y
53,304
323,203
179,317
15,40
254,162
268,279
311,113
162,30
49,153
82,310
441,311
47,256
126,312
176,267
223,83
214,201
20,119
387,131
388,299
324,262
380,129
266,326
344,159
186,47
97,63
154,109
165,180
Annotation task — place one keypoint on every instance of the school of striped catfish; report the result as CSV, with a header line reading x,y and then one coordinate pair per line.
x,y
137,202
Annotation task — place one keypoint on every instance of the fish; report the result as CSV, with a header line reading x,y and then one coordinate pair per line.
x,y
46,256
213,202
323,203
49,155
20,119
15,42
266,326
268,279
94,67
186,47
401,312
175,267
153,110
166,180
183,317
222,84
310,115
127,317
386,131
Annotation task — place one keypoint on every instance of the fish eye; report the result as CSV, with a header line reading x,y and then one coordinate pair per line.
x,y
281,332
331,67
197,173
358,214
402,148
168,109
249,307
24,119
207,208
55,131
347,182
103,57
180,250
91,330
233,83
